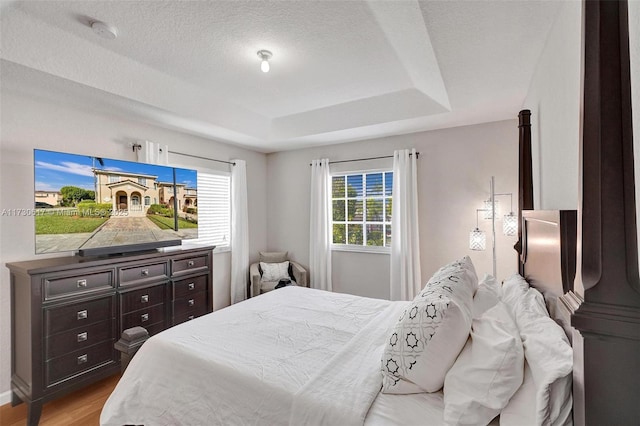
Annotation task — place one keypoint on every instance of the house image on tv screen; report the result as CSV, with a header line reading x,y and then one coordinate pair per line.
x,y
132,194
86,203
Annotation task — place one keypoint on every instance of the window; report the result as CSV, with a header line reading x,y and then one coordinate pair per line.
x,y
362,209
214,209
147,200
114,179
142,181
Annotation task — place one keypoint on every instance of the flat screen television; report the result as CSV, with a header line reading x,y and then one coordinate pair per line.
x,y
100,206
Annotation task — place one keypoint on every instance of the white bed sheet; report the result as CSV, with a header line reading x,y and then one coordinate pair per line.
x,y
291,356
419,409
252,362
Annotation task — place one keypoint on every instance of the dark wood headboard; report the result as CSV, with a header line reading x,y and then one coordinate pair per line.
x,y
549,257
603,306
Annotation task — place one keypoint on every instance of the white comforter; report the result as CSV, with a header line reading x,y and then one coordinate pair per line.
x,y
291,356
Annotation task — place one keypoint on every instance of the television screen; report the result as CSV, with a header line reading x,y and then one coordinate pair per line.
x,y
97,205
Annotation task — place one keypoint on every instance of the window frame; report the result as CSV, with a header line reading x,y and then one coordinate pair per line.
x,y
218,249
364,248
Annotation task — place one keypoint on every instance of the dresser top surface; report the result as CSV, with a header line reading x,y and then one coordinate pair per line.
x,y
68,262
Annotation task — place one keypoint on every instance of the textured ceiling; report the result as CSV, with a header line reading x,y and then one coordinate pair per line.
x,y
341,70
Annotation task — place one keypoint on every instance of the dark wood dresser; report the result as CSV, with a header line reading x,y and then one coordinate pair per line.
x,y
67,313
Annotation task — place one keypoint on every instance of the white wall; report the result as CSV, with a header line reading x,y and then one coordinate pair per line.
x,y
454,170
29,123
554,98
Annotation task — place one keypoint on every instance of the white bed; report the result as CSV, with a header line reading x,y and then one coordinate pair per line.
x,y
249,363
298,356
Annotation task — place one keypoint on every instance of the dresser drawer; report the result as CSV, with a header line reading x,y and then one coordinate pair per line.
x,y
144,317
196,303
185,288
79,338
79,314
76,362
141,273
189,264
139,299
189,316
77,284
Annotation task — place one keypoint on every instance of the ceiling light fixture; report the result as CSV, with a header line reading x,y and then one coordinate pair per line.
x,y
265,55
104,30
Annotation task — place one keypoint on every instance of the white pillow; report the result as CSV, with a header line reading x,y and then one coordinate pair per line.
x,y
521,411
550,357
487,295
513,288
488,371
431,332
274,271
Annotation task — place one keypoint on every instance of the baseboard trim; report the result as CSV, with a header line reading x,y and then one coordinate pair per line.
x,y
5,397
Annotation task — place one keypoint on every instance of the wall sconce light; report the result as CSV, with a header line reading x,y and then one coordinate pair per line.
x,y
510,224
491,206
265,55
478,238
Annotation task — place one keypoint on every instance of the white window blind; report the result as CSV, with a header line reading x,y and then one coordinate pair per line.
x,y
214,209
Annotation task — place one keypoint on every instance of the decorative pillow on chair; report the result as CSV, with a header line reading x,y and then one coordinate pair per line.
x,y
274,271
431,332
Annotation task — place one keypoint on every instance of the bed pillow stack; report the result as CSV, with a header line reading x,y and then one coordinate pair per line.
x,y
549,357
489,370
431,332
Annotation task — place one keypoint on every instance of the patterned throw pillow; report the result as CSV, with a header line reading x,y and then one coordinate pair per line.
x,y
274,271
431,332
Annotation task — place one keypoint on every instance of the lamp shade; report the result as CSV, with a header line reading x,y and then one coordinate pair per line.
x,y
488,209
477,240
510,224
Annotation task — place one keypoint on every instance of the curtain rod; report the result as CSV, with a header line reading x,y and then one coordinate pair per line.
x,y
369,158
202,158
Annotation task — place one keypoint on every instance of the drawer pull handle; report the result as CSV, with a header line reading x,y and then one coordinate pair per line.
x,y
82,315
82,359
82,283
192,286
144,272
144,317
190,263
190,317
83,336
144,298
191,302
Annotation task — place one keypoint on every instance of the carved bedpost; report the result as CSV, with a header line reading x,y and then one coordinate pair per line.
x,y
606,315
525,178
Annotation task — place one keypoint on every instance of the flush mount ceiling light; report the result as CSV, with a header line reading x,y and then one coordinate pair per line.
x,y
264,55
104,30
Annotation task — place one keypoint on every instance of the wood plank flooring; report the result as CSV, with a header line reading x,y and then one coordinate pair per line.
x,y
80,408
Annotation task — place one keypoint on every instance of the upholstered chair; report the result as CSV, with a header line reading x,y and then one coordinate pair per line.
x,y
262,284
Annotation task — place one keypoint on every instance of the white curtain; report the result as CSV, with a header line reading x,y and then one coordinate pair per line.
x,y
239,232
320,226
405,248
153,153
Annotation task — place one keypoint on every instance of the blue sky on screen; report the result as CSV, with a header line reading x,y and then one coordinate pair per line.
x,y
53,170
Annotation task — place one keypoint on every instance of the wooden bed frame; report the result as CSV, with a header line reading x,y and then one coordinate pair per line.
x,y
600,308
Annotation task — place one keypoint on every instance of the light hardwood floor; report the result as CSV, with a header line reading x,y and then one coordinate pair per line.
x,y
80,408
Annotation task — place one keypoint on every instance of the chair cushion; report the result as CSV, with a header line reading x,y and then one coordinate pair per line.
x,y
273,256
